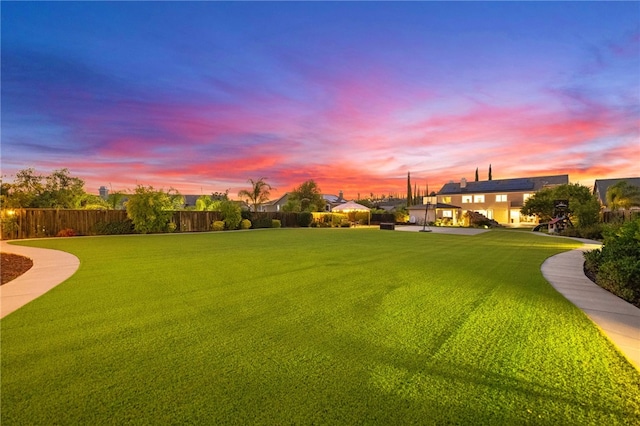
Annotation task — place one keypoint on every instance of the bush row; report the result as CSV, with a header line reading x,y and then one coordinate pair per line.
x,y
616,267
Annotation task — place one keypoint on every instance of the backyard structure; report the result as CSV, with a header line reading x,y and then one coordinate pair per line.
x,y
353,207
500,200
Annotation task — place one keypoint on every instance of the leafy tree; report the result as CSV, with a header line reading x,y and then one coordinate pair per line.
x,y
623,196
306,198
91,202
540,204
211,202
206,203
583,209
292,205
32,190
258,194
150,210
62,190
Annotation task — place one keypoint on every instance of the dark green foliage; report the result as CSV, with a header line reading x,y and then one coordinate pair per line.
x,y
409,195
305,219
592,232
261,222
617,265
305,198
32,190
113,228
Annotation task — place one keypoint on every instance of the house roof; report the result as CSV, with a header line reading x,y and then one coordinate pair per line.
x,y
504,185
601,186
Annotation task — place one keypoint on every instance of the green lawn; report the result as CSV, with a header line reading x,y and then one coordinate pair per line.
x,y
302,326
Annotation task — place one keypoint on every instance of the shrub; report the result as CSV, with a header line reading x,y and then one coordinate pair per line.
x,y
621,277
245,224
617,265
262,222
592,261
67,232
592,232
231,214
305,219
113,228
345,223
218,225
150,210
478,220
275,223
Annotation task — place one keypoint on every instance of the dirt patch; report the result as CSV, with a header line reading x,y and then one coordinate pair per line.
x,y
13,266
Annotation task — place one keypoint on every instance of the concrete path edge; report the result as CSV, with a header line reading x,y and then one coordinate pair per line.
x,y
618,320
50,268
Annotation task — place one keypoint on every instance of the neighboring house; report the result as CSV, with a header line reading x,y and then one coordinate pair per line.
x,y
500,200
331,201
274,205
190,200
602,185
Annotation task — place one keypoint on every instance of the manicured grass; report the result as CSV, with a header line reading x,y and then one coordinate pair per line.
x,y
322,326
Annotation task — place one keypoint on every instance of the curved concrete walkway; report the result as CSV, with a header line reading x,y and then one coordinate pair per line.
x,y
50,268
618,319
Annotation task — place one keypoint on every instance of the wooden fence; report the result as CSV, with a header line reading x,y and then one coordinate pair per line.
x,y
38,223
620,216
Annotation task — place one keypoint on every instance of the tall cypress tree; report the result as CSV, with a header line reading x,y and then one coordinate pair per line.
x,y
477,174
409,197
490,176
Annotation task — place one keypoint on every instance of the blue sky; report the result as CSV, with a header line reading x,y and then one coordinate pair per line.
x,y
201,96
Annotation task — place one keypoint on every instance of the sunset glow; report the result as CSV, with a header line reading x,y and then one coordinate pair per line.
x,y
202,96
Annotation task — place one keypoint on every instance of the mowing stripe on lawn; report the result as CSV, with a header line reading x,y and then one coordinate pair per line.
x,y
311,326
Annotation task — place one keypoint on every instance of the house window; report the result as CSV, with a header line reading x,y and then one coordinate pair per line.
x,y
478,198
501,197
446,200
525,197
447,213
466,199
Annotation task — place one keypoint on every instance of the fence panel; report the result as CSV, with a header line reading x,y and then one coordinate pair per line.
x,y
38,223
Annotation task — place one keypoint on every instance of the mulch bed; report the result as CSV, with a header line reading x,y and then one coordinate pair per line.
x,y
13,266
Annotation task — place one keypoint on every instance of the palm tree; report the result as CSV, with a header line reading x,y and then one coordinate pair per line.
x,y
623,196
258,194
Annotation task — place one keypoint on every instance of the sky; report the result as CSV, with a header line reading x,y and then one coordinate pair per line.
x,y
202,96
